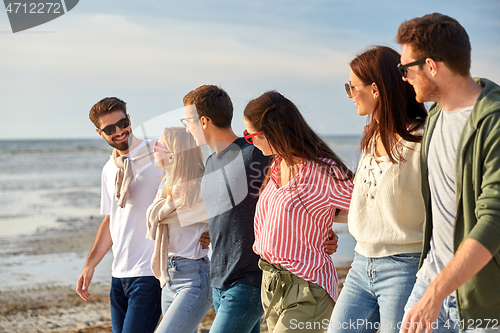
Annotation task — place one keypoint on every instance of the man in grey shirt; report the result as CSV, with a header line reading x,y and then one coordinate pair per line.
x,y
230,188
441,164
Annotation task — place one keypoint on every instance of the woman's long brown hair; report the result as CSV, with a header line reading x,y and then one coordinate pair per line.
x,y
397,105
288,133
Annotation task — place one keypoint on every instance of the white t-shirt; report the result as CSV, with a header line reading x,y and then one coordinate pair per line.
x,y
184,241
184,237
131,250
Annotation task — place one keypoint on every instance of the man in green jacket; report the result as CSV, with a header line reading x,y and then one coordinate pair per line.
x,y
458,283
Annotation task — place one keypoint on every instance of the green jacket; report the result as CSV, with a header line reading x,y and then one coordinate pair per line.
x,y
477,172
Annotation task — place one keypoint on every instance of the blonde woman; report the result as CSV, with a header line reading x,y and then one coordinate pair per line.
x,y
177,219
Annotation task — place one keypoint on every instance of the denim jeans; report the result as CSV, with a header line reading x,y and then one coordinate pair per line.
x,y
448,320
374,294
135,304
238,309
187,297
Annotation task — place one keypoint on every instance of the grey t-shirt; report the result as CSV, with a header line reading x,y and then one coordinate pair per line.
x,y
441,168
229,188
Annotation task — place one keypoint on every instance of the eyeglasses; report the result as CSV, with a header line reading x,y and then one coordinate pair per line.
x,y
111,129
404,72
157,147
185,121
249,136
350,89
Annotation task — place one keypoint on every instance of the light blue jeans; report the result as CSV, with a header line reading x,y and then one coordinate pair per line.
x,y
448,320
238,309
187,297
374,294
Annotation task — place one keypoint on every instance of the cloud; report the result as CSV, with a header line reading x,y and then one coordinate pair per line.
x,y
152,53
130,51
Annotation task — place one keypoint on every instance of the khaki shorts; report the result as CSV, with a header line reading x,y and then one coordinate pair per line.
x,y
292,304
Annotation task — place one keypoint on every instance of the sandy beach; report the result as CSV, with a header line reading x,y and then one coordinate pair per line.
x,y
43,247
47,307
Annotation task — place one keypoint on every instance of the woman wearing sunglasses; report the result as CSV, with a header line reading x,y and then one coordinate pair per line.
x,y
177,219
387,210
304,188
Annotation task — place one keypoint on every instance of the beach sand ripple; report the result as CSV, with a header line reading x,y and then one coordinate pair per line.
x,y
60,309
48,307
54,309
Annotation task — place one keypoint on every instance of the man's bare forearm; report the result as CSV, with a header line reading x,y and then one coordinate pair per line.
x,y
102,244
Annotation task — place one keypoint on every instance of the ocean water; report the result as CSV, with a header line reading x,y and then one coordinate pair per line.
x,y
49,183
52,187
48,189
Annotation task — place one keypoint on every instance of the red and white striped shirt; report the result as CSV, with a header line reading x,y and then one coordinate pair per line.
x,y
292,221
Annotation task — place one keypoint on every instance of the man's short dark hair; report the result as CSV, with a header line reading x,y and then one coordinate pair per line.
x,y
212,102
106,106
438,35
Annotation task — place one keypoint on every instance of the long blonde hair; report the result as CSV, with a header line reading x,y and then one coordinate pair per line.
x,y
187,164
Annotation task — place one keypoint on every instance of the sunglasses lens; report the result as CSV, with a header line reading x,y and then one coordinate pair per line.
x,y
111,129
246,136
402,70
124,123
348,90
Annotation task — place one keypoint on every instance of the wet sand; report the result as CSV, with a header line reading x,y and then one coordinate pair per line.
x,y
45,307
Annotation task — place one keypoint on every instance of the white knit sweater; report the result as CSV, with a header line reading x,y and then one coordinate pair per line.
x,y
387,210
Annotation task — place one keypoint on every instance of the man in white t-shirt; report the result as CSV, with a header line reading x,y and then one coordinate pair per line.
x,y
128,186
458,284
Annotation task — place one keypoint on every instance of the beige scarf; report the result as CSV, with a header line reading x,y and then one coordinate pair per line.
x,y
127,168
161,213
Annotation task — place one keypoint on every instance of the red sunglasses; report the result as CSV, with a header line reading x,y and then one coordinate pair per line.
x,y
249,136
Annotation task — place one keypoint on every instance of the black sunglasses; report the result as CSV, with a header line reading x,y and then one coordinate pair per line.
x,y
111,129
404,72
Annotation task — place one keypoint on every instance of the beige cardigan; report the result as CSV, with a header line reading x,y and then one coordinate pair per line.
x,y
387,209
161,213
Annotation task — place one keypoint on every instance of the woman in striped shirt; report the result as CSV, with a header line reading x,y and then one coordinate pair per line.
x,y
306,185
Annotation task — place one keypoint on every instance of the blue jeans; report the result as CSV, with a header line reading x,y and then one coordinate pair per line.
x,y
374,294
135,304
238,309
448,320
187,297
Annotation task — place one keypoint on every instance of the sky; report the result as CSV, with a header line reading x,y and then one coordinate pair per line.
x,y
152,53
